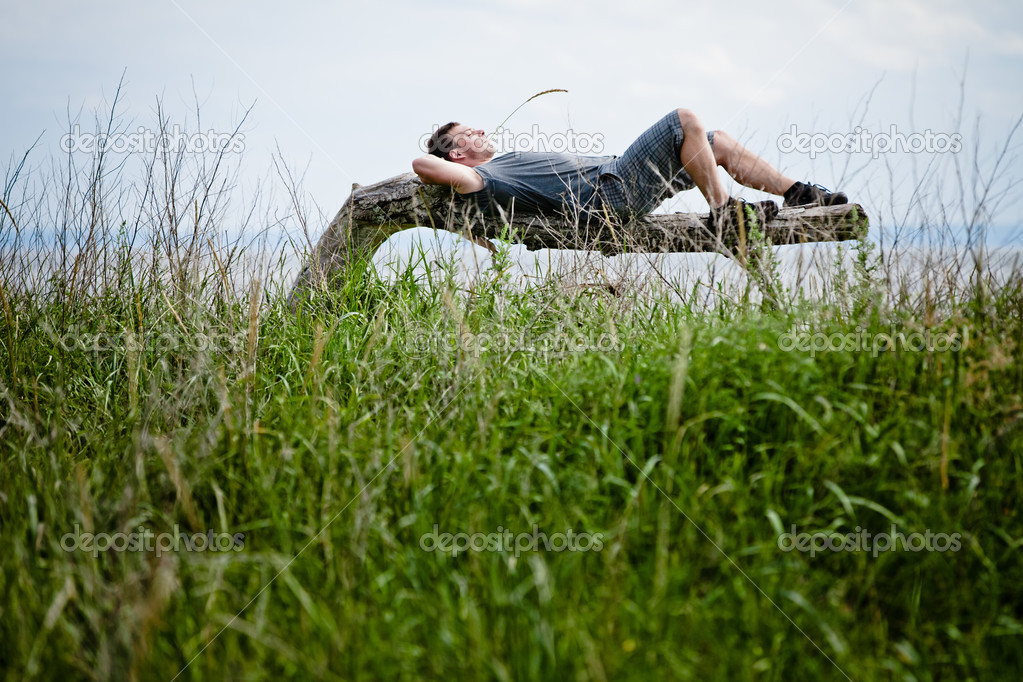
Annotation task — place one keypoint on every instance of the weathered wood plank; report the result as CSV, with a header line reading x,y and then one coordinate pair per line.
x,y
374,212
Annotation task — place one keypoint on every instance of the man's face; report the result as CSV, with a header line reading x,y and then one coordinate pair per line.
x,y
470,145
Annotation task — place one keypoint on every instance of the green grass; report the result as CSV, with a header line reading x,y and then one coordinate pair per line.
x,y
150,384
337,439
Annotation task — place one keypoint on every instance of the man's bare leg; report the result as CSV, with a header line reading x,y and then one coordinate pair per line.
x,y
747,168
699,159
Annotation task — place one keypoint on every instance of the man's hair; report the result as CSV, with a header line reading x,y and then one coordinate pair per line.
x,y
442,141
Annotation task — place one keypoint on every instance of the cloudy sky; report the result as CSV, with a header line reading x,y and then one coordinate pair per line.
x,y
346,90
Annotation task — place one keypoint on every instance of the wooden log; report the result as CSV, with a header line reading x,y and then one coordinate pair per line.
x,y
372,213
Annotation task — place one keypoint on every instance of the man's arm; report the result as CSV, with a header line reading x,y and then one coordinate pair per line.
x,y
433,170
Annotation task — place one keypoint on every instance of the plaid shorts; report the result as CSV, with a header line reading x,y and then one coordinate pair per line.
x,y
649,171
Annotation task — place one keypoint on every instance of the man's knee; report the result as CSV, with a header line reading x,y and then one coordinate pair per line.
x,y
722,144
722,138
688,120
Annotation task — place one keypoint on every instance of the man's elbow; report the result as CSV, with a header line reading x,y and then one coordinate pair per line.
x,y
421,167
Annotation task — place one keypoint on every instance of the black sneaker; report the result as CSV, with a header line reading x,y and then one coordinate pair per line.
x,y
730,225
726,218
803,194
766,210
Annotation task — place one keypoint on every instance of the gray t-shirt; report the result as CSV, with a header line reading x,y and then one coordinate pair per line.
x,y
540,182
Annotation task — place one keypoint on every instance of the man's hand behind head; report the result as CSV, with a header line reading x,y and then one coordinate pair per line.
x,y
433,170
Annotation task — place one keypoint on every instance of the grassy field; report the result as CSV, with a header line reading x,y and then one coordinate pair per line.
x,y
678,448
415,481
